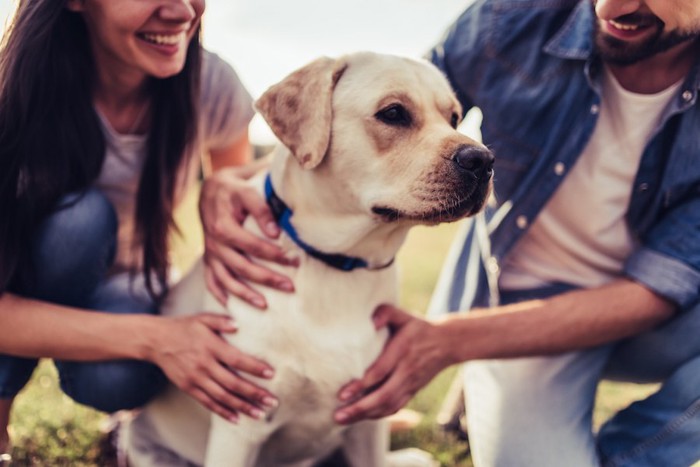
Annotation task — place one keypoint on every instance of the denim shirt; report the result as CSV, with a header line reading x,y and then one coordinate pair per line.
x,y
531,67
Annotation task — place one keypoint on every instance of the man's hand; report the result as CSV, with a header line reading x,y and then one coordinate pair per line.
x,y
194,356
412,357
225,202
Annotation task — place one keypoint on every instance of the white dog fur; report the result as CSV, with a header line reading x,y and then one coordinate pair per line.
x,y
369,149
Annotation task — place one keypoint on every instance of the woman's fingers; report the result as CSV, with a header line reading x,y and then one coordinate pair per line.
x,y
231,357
222,275
214,286
258,208
210,403
218,322
200,362
230,232
248,270
254,397
230,401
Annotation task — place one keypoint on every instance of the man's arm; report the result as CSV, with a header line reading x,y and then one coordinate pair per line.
x,y
419,349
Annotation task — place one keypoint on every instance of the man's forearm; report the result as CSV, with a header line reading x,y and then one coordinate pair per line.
x,y
570,321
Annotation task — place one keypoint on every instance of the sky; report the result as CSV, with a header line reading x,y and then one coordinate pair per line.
x,y
265,40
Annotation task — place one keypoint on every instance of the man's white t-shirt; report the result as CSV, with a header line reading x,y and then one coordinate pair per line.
x,y
581,237
225,109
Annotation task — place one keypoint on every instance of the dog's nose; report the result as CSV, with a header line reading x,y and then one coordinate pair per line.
x,y
474,160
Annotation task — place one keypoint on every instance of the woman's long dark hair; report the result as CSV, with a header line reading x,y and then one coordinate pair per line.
x,y
51,142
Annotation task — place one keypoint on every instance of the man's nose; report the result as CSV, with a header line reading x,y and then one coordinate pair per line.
x,y
611,9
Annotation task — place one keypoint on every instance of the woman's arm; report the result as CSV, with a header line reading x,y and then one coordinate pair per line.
x,y
225,202
419,349
189,350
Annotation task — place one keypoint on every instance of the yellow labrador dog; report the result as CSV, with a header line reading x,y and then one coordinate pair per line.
x,y
369,149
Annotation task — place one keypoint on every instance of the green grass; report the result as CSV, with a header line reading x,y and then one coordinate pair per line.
x,y
49,429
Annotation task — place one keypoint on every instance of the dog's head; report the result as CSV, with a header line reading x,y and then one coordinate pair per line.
x,y
380,131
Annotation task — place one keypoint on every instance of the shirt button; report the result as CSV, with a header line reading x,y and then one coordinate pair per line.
x,y
595,109
559,168
687,95
521,222
643,186
492,265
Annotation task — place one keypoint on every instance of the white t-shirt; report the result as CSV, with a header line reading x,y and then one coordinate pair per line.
x,y
581,237
225,111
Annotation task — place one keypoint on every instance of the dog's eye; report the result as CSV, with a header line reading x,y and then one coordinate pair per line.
x,y
455,120
395,114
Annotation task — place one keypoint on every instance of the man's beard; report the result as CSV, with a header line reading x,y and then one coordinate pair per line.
x,y
619,52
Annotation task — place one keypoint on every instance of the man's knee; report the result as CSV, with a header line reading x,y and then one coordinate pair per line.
x,y
655,355
532,411
112,385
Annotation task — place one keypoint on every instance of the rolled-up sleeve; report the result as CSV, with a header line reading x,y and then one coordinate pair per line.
x,y
669,260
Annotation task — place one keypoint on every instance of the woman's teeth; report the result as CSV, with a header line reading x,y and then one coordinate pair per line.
x,y
163,39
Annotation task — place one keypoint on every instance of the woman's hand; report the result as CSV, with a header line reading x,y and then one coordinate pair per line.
x,y
224,204
194,356
413,356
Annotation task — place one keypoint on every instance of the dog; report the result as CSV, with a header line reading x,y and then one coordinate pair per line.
x,y
369,149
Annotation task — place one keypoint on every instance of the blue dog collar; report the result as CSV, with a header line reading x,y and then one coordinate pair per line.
x,y
282,215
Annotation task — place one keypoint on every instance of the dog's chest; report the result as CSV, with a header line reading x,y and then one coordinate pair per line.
x,y
320,337
314,338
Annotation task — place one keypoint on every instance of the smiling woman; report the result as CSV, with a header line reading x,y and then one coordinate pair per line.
x,y
127,37
94,161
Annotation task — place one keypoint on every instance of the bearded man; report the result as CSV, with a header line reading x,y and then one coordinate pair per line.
x,y
587,266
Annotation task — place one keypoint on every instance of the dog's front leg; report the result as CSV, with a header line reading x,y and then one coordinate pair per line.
x,y
231,445
367,443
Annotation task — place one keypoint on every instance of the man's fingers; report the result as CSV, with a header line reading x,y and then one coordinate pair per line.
x,y
386,400
388,315
376,373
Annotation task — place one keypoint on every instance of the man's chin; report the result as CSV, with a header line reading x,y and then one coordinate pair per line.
x,y
618,52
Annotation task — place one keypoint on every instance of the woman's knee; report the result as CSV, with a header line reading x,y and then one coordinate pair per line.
x,y
14,374
73,248
112,385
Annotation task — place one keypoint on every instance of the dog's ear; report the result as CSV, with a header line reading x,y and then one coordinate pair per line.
x,y
299,109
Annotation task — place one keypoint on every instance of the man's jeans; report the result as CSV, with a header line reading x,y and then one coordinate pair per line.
x,y
537,411
72,252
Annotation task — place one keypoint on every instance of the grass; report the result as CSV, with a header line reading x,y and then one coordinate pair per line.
x,y
48,429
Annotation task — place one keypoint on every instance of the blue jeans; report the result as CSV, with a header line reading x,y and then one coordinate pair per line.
x,y
537,411
72,251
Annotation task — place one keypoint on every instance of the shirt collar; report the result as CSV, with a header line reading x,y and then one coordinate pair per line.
x,y
574,40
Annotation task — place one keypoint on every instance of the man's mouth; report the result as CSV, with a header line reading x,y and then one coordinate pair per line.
x,y
624,27
631,26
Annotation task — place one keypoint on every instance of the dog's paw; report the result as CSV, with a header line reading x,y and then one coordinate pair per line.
x,y
411,457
